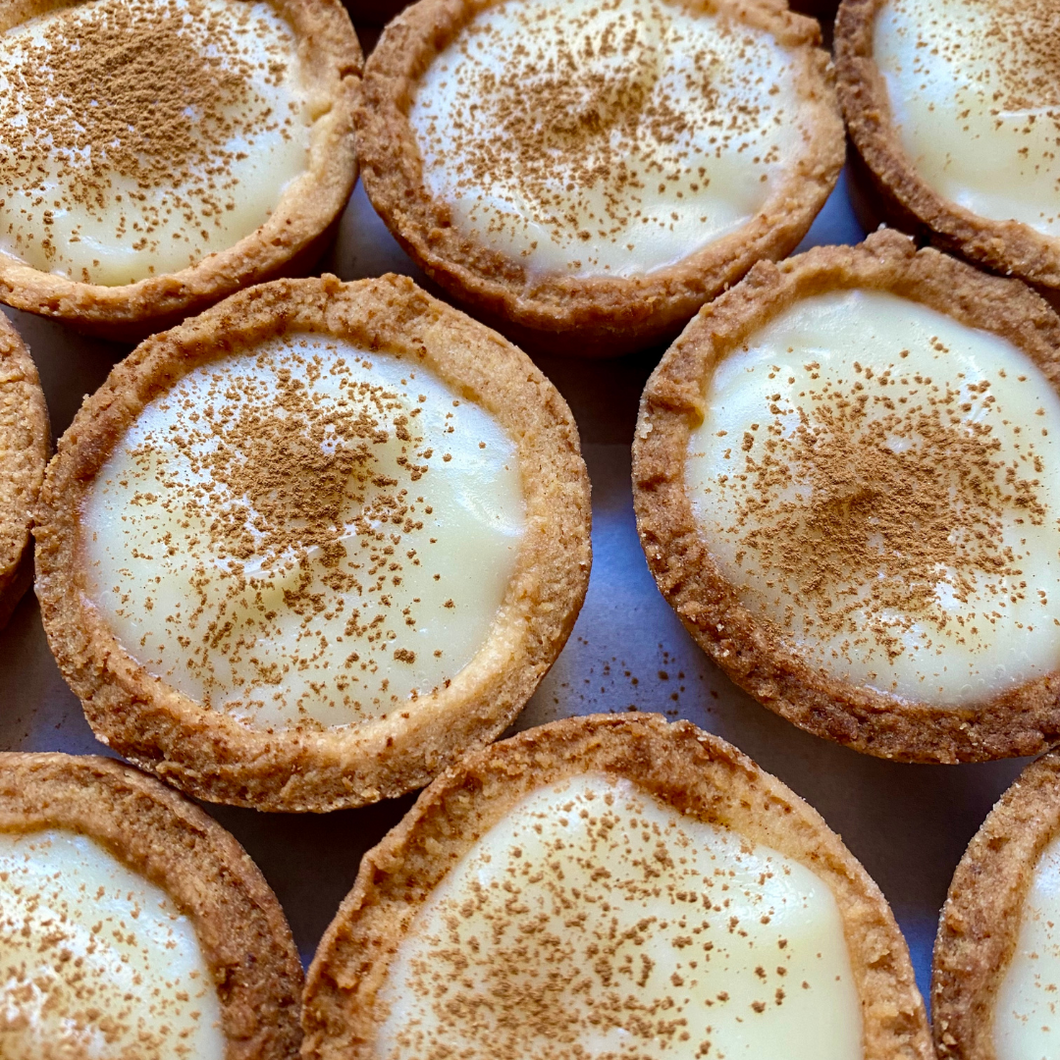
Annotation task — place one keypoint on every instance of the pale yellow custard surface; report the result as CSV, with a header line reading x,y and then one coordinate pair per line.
x,y
973,91
1027,1010
306,535
881,483
96,962
605,137
593,921
139,136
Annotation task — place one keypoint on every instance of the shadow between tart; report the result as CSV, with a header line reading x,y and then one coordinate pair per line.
x,y
298,231
592,316
1007,247
683,768
751,650
206,752
163,837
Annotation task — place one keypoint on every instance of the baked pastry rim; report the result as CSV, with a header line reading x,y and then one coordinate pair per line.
x,y
1009,247
209,754
291,239
979,924
23,455
595,315
1020,721
676,763
163,837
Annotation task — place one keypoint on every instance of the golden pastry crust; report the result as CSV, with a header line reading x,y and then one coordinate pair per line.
x,y
598,316
1008,247
24,441
1024,720
297,232
210,754
980,922
162,836
680,765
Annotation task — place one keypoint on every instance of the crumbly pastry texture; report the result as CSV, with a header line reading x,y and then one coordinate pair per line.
x,y
309,767
681,766
593,315
169,111
162,836
980,922
752,651
24,441
1006,246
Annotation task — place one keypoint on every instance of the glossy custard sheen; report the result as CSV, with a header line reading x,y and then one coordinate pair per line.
x,y
1027,1012
974,89
882,484
593,921
139,136
605,137
96,962
305,535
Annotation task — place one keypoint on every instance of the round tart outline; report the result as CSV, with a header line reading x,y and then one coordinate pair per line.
x,y
1020,721
160,835
25,438
297,232
593,316
694,772
210,755
1008,247
979,924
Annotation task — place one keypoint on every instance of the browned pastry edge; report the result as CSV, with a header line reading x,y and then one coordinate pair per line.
x,y
694,772
980,922
25,437
601,316
1009,247
209,754
1021,721
297,232
162,836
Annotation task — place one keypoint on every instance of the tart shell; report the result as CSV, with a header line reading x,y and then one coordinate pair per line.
x,y
209,754
290,242
598,316
681,766
1021,721
156,833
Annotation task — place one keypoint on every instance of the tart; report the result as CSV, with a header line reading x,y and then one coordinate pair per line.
x,y
952,107
180,150
304,550
591,174
132,924
843,480
24,441
612,886
997,954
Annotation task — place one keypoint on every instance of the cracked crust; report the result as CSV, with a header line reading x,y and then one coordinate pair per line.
x,y
209,754
289,243
680,765
1008,247
162,836
24,442
980,922
1021,721
591,316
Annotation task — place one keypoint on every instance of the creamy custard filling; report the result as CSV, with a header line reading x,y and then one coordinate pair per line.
x,y
139,136
881,483
305,535
96,962
605,137
1027,1012
593,921
974,89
